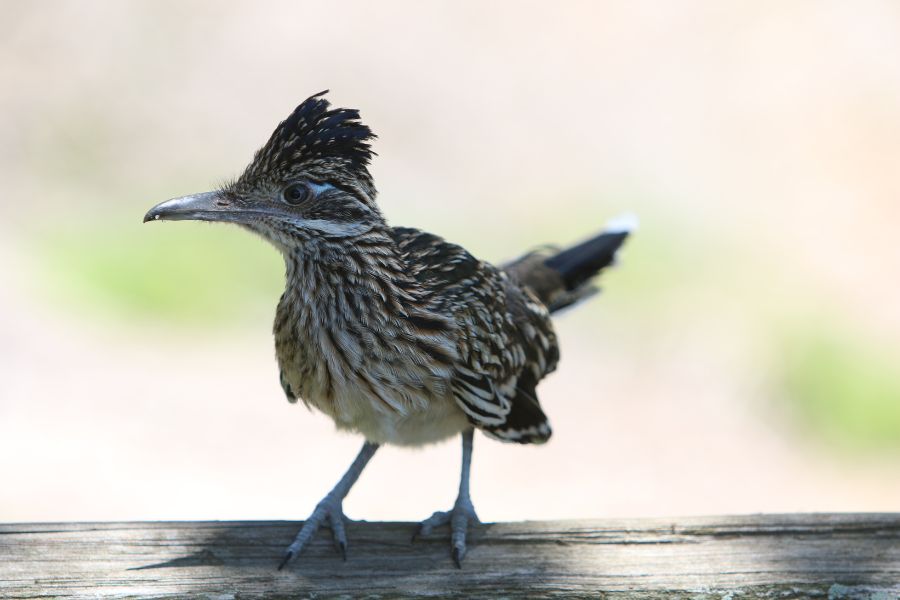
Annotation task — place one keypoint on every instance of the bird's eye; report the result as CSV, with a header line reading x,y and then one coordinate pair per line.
x,y
296,193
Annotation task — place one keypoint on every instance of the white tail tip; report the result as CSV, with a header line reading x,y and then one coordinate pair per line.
x,y
624,223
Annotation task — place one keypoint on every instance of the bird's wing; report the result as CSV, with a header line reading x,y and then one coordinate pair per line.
x,y
505,342
526,423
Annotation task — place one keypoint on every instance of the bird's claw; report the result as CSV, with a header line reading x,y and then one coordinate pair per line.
x,y
284,561
458,518
330,509
458,553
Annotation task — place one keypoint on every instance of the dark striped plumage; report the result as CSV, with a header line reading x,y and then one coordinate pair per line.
x,y
391,331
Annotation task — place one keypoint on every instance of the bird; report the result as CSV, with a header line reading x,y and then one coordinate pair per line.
x,y
393,332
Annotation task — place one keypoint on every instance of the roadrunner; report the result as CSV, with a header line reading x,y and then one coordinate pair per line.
x,y
392,332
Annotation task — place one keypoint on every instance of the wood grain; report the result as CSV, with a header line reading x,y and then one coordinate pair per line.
x,y
764,556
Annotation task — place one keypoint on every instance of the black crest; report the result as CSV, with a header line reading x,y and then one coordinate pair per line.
x,y
334,138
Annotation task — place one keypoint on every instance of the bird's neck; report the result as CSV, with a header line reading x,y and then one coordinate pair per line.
x,y
341,283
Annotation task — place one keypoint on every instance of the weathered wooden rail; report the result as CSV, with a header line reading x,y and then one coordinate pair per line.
x,y
727,558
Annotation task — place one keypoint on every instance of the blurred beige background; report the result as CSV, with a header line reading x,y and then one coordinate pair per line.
x,y
745,358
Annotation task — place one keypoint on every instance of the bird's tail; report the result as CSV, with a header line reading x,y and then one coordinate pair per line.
x,y
561,278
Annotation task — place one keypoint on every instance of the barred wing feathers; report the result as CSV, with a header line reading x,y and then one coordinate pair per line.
x,y
505,341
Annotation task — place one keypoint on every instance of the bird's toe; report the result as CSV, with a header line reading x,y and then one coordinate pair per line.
x,y
441,517
338,532
328,510
458,553
459,517
285,559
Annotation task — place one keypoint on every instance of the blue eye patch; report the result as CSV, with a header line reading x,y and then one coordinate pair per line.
x,y
319,188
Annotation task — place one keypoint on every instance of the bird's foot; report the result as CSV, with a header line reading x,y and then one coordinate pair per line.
x,y
459,517
329,510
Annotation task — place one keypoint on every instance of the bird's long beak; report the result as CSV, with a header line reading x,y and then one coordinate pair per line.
x,y
208,206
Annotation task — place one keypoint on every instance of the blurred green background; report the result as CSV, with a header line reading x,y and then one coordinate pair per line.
x,y
744,358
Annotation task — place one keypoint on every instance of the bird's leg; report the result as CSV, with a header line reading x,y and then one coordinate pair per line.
x,y
462,512
331,508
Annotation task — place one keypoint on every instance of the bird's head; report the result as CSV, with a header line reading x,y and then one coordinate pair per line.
x,y
309,181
